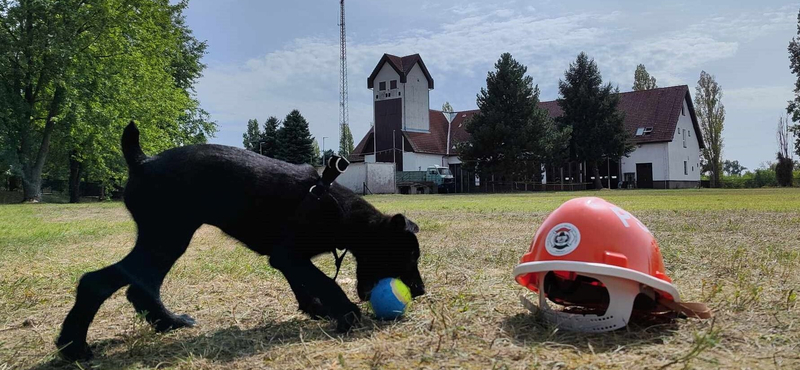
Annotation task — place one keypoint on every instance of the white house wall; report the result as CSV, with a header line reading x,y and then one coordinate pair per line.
x,y
416,101
386,74
420,161
678,154
655,153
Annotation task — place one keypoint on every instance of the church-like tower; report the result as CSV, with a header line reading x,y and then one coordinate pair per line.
x,y
401,102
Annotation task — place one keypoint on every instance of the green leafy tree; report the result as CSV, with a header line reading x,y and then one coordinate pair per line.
x,y
269,138
711,115
316,156
642,80
447,108
345,141
510,136
251,139
75,71
794,105
733,168
590,109
294,140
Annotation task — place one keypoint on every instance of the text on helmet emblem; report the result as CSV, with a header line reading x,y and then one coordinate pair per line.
x,y
562,239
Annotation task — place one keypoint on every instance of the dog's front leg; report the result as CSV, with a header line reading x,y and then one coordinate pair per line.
x,y
302,274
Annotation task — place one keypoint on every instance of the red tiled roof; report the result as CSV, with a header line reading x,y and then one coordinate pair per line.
x,y
401,65
434,141
656,108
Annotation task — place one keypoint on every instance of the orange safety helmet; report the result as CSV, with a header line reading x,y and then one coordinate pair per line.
x,y
590,253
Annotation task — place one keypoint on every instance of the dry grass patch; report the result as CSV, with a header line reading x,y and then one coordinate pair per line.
x,y
738,251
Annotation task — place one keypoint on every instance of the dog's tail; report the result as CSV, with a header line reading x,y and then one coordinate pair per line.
x,y
131,148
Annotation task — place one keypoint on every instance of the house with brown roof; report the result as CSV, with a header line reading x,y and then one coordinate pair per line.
x,y
406,132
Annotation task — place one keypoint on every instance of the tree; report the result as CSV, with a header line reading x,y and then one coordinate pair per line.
x,y
711,114
510,135
75,71
642,80
345,141
447,108
294,140
794,105
785,165
733,168
251,139
316,156
269,138
590,109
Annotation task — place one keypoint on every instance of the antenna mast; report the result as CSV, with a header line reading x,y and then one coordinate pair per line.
x,y
344,114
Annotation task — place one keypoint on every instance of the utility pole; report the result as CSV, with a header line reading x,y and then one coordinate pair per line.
x,y
344,114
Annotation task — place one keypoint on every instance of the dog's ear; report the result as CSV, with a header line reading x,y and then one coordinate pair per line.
x,y
400,222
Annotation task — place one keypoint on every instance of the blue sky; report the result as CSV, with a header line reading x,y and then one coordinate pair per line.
x,y
269,57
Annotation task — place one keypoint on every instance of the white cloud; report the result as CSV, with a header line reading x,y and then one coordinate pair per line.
x,y
771,98
304,74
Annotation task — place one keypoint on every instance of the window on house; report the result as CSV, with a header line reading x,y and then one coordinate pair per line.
x,y
647,131
685,168
684,138
382,86
639,131
393,84
683,110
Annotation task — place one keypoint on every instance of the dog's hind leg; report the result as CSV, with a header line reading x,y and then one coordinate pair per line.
x,y
158,249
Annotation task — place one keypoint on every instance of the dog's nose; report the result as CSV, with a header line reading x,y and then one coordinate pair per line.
x,y
417,290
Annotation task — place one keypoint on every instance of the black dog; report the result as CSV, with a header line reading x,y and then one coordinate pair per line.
x,y
252,198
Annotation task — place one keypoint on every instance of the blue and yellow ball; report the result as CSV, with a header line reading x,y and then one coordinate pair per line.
x,y
389,299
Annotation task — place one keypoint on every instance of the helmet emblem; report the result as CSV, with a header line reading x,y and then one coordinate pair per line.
x,y
562,239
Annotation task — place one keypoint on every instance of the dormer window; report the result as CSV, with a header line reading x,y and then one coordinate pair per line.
x,y
382,86
393,84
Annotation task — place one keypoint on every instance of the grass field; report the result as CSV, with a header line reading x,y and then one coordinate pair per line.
x,y
738,251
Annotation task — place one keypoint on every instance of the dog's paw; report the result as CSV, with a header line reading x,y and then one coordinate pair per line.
x,y
346,322
316,310
174,322
72,351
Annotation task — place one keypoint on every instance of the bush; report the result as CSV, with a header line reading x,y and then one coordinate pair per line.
x,y
758,179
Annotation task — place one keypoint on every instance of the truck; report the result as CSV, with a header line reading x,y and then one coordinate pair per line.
x,y
436,179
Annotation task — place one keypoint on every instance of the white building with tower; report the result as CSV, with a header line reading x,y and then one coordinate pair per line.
x,y
406,132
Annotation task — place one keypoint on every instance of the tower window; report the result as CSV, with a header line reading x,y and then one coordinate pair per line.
x,y
393,84
382,86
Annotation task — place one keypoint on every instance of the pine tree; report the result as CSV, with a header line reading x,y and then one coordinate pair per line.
x,y
642,80
590,109
269,137
345,141
294,140
251,137
510,135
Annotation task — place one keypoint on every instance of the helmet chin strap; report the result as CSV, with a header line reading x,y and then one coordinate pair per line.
x,y
622,294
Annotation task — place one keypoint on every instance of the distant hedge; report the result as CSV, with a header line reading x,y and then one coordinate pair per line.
x,y
759,179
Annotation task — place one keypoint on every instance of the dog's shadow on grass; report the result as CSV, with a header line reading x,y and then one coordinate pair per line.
x,y
527,329
221,346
